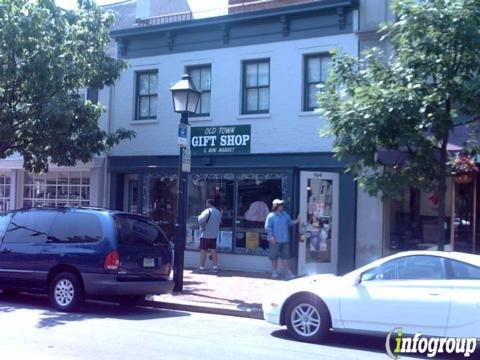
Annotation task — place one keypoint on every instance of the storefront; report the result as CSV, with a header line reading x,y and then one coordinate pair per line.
x,y
60,186
411,223
243,187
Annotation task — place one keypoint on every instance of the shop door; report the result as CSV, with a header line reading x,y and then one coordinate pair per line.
x,y
317,252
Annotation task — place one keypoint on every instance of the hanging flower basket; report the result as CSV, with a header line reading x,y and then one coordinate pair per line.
x,y
463,168
463,178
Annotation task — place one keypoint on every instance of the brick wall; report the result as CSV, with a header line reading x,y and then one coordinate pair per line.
x,y
238,6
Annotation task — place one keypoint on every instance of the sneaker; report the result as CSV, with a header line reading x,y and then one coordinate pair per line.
x,y
289,276
201,269
215,269
275,275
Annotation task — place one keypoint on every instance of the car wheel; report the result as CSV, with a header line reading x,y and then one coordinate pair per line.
x,y
130,301
65,292
307,319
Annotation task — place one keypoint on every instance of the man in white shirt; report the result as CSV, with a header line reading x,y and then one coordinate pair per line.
x,y
209,220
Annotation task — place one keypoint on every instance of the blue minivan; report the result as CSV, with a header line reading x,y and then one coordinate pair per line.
x,y
77,253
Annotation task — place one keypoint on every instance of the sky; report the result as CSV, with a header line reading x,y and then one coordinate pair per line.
x,y
195,5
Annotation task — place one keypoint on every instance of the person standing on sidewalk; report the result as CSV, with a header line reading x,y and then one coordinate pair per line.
x,y
278,224
209,220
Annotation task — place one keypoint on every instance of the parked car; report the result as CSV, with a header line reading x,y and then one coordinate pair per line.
x,y
432,292
77,253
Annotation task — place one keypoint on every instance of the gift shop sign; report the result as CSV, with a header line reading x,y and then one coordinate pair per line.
x,y
219,140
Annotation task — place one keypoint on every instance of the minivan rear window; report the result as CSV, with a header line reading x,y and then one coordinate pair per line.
x,y
138,231
76,227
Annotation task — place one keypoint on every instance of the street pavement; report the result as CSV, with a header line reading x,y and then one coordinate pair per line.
x,y
29,328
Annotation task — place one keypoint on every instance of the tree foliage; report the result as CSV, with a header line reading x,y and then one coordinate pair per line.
x,y
408,102
48,54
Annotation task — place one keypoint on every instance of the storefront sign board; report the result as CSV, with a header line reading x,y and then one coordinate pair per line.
x,y
220,140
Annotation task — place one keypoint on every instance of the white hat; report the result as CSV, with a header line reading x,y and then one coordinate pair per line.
x,y
276,202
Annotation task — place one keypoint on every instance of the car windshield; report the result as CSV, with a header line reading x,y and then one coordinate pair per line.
x,y
138,231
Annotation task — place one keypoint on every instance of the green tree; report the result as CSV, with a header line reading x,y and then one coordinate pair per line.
x,y
47,55
409,102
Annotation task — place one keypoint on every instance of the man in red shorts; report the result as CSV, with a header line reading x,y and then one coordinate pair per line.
x,y
209,220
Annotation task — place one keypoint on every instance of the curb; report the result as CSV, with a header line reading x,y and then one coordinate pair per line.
x,y
250,313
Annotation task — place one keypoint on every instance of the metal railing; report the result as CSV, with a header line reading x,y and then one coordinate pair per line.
x,y
245,6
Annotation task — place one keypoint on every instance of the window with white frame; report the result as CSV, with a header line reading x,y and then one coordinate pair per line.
x,y
315,72
67,188
202,79
146,95
5,191
256,86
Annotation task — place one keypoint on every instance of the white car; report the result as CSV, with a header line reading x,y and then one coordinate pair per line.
x,y
432,292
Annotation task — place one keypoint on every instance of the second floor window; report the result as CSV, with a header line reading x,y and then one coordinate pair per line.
x,y
146,95
316,72
256,87
202,78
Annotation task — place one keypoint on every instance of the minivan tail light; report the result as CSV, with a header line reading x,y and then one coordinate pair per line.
x,y
112,261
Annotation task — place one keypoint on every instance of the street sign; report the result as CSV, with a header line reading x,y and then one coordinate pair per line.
x,y
186,160
182,135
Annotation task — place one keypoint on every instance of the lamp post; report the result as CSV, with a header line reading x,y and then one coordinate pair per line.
x,y
185,100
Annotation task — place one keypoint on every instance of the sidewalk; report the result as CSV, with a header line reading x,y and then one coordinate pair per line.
x,y
232,293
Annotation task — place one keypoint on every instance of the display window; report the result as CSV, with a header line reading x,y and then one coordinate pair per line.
x,y
57,189
220,188
160,201
5,191
412,220
243,199
255,196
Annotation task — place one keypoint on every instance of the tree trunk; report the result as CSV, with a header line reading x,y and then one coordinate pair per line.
x,y
442,192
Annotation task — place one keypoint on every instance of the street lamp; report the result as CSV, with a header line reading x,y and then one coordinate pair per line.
x,y
185,100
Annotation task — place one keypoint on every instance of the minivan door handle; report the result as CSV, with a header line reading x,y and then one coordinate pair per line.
x,y
6,251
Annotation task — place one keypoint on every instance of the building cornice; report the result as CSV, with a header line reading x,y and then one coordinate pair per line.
x,y
325,5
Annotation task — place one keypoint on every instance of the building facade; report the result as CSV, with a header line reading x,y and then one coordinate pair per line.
x,y
411,222
255,136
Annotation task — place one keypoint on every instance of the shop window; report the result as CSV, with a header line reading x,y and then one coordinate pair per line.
x,y
316,69
56,189
221,190
132,205
243,199
5,183
146,95
256,87
201,77
160,202
412,221
255,197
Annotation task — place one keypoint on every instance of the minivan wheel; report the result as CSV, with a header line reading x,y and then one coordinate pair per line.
x,y
307,319
65,292
130,301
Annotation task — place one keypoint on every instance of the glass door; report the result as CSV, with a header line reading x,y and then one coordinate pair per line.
x,y
318,243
